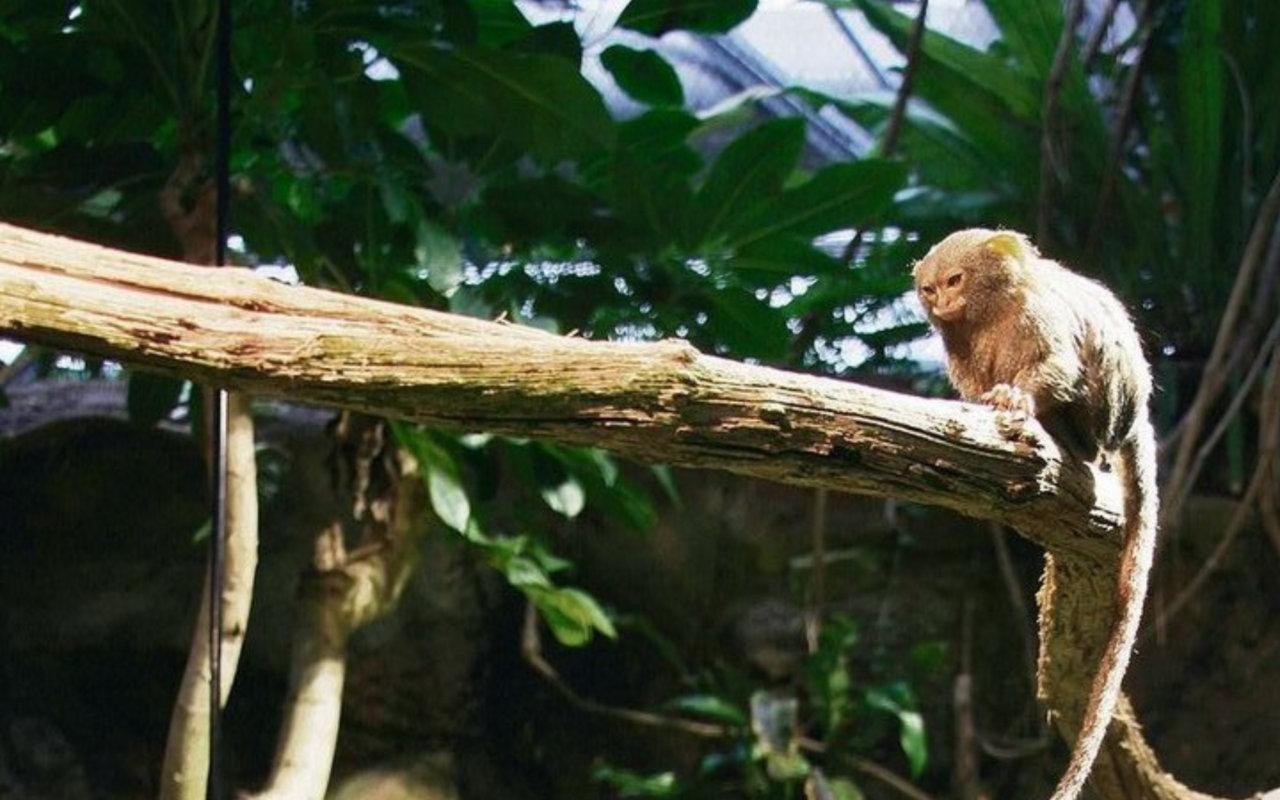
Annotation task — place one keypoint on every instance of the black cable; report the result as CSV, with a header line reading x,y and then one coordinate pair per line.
x,y
218,415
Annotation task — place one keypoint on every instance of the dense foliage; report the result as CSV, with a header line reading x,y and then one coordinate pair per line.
x,y
449,153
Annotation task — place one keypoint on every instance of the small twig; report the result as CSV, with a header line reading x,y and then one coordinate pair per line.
x,y
1094,45
1128,105
1050,166
868,767
531,650
1265,352
898,115
1225,345
1246,131
1260,476
1000,543
890,779
1268,451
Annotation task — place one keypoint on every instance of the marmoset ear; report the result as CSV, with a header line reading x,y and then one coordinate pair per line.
x,y
1011,244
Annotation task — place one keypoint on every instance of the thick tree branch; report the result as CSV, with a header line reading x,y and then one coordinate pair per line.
x,y
656,402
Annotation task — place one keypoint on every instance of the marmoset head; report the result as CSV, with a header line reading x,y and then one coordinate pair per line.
x,y
972,273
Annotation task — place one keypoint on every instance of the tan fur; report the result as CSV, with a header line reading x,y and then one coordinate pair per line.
x,y
1025,334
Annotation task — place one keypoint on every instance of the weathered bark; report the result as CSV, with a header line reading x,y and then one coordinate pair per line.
x,y
657,402
341,594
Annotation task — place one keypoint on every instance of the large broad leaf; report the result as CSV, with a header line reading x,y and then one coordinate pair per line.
x,y
1030,30
982,80
986,96
746,326
661,136
1202,84
940,153
840,196
498,22
656,17
783,255
644,75
646,181
748,172
540,102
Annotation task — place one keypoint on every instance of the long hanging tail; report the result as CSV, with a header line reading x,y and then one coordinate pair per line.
x,y
1137,472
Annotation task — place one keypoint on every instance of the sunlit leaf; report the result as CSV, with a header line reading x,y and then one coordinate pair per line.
x,y
896,699
440,255
448,498
566,498
709,706
573,616
523,573
635,784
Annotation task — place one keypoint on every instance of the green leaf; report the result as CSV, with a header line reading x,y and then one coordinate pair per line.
x,y
784,255
667,481
751,169
634,784
444,482
941,154
914,742
710,707
498,22
448,498
1201,100
644,75
656,17
840,196
996,106
566,498
440,255
1030,29
896,699
747,326
572,615
823,788
539,102
523,573
152,397
661,136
